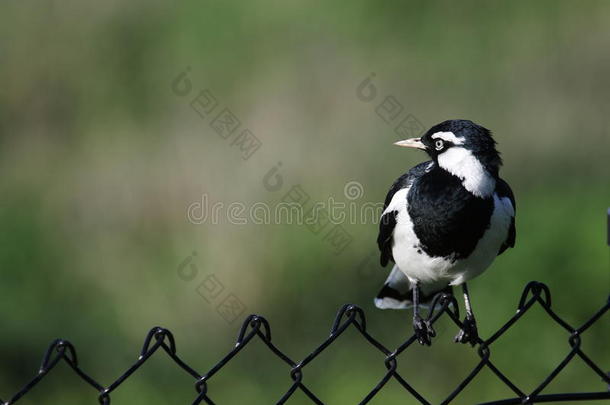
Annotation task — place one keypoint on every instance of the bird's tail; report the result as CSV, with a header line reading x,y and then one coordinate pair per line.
x,y
397,293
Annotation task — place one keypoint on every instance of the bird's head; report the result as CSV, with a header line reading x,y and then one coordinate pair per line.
x,y
457,146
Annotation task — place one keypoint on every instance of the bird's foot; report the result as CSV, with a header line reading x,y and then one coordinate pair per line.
x,y
468,333
423,331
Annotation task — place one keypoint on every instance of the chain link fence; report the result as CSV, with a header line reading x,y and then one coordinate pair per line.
x,y
351,316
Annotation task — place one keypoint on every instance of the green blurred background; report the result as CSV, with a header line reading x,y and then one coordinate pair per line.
x,y
100,160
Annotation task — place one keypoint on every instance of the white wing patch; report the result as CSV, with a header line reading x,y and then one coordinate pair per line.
x,y
398,202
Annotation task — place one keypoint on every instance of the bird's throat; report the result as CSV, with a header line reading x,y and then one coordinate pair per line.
x,y
475,178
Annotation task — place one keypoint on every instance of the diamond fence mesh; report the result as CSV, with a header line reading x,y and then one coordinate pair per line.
x,y
351,316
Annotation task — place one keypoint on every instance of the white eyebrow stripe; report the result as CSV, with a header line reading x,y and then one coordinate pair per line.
x,y
449,137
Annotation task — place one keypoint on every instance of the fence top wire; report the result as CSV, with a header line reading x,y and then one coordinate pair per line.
x,y
351,316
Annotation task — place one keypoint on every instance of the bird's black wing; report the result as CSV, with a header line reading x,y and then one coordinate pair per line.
x,y
503,190
388,219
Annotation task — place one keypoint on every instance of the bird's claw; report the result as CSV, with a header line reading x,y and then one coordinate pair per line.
x,y
423,331
468,333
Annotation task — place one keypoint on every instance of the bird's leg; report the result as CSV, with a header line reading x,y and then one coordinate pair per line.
x,y
423,329
469,332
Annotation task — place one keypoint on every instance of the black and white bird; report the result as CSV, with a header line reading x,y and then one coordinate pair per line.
x,y
444,222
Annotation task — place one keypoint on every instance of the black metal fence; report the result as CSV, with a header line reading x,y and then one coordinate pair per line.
x,y
351,316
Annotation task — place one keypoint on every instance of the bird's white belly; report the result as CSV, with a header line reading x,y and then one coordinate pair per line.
x,y
418,266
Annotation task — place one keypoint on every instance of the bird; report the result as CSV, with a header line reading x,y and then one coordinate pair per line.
x,y
444,222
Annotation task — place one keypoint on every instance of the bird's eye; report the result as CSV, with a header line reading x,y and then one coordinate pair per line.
x,y
438,144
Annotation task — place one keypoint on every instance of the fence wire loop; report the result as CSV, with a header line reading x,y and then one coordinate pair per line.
x,y
159,334
483,351
256,327
537,290
201,386
351,312
445,303
253,322
104,397
391,363
574,340
56,352
296,374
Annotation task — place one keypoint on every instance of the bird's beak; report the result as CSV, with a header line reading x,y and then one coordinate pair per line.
x,y
411,143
